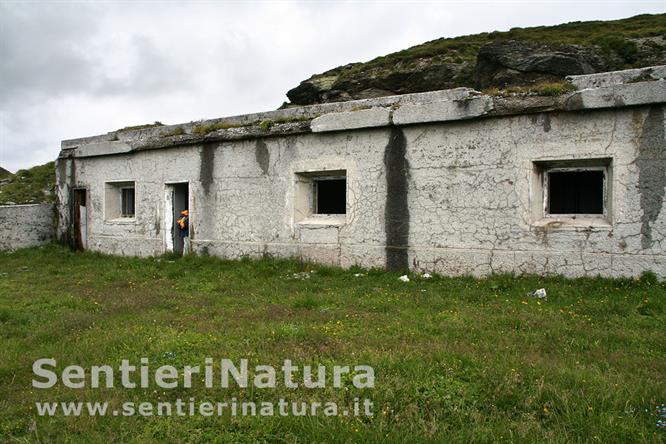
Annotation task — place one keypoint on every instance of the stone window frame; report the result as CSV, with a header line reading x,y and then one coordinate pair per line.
x,y
541,217
305,199
113,204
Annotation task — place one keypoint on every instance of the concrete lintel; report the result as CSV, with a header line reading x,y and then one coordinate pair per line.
x,y
443,111
602,79
103,149
363,118
614,96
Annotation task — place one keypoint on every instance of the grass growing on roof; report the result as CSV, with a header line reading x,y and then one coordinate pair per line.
x,y
205,128
456,359
140,127
540,89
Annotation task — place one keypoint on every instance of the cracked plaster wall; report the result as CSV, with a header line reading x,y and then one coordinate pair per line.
x,y
23,226
460,195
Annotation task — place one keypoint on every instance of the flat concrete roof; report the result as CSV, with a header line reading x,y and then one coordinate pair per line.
x,y
615,89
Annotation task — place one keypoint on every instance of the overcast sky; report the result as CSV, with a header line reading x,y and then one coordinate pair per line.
x,y
75,69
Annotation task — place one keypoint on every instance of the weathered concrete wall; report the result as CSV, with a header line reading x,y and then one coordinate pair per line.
x,y
453,197
449,186
23,226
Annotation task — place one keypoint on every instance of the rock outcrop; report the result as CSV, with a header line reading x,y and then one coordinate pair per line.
x,y
514,58
342,84
512,63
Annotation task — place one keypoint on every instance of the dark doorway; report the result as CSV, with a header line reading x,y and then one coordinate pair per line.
x,y
79,219
180,202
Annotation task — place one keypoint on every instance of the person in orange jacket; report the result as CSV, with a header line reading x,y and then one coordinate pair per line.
x,y
184,229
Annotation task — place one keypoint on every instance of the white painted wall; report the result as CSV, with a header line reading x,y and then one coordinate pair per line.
x,y
470,195
23,226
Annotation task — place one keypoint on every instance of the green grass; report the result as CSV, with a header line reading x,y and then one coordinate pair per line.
x,y
550,89
32,185
456,359
206,128
177,131
140,127
264,125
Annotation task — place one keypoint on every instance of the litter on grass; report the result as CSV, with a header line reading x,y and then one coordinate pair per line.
x,y
404,278
540,293
302,275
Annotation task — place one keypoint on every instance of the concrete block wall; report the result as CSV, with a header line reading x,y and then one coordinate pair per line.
x,y
23,226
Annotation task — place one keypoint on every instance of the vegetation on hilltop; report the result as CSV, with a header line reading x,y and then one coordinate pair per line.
x,y
536,54
28,186
615,36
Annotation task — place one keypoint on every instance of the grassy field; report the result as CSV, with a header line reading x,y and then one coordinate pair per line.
x,y
456,359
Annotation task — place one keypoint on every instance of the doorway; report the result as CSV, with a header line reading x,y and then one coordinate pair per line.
x,y
177,200
80,219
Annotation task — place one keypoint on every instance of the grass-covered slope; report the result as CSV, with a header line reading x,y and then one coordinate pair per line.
x,y
456,359
616,36
32,185
452,62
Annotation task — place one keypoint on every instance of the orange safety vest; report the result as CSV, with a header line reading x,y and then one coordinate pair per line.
x,y
181,222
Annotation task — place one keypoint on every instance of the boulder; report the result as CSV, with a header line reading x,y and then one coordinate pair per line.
x,y
508,63
346,83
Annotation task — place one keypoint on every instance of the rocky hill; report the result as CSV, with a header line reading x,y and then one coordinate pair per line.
x,y
32,185
4,173
519,57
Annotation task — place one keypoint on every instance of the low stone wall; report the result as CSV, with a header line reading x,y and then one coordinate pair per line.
x,y
23,226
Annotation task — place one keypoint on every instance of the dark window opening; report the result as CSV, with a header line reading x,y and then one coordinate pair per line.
x,y
576,192
127,202
330,196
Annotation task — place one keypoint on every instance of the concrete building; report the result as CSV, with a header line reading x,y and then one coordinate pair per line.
x,y
456,182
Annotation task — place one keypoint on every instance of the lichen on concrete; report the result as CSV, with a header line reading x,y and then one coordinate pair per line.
x,y
396,213
262,155
207,166
651,164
